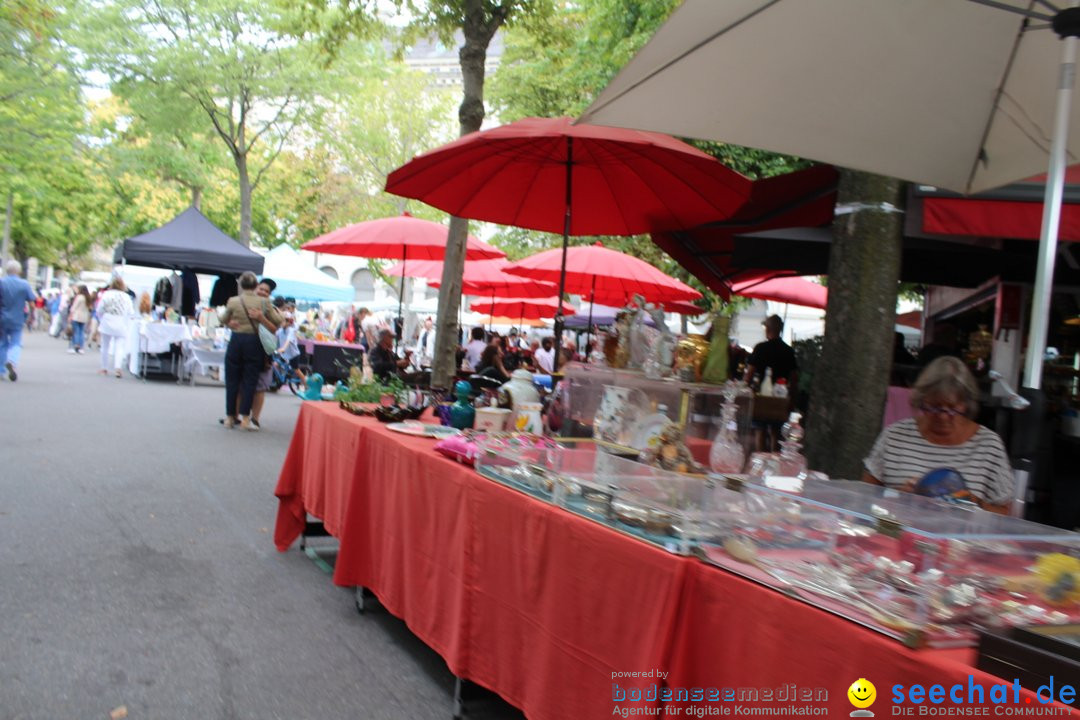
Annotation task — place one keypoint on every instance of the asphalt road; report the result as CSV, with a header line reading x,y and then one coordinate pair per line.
x,y
138,572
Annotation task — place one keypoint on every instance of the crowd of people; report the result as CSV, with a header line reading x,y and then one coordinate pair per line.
x,y
76,315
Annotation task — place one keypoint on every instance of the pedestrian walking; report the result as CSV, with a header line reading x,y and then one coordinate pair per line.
x,y
115,310
16,298
78,317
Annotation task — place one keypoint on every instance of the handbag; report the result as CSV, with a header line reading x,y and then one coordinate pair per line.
x,y
267,338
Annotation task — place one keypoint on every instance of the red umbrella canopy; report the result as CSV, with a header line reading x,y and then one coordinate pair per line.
x,y
481,277
623,182
682,308
610,276
397,238
792,289
528,308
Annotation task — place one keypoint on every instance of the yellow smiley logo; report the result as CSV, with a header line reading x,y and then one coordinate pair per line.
x,y
862,693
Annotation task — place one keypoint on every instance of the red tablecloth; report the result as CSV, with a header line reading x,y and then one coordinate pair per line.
x,y
545,607
734,633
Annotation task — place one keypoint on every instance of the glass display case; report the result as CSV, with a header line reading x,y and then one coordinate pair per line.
x,y
591,479
917,569
626,409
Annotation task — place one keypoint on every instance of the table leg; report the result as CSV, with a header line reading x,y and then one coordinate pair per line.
x,y
362,595
312,529
459,702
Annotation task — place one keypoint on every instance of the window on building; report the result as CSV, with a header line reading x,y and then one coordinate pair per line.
x,y
363,283
330,271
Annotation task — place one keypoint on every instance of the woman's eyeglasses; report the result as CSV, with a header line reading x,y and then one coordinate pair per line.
x,y
939,410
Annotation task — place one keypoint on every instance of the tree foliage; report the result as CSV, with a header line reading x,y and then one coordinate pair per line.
x,y
230,64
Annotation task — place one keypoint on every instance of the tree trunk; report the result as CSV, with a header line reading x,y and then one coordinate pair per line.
x,y
848,396
8,219
245,200
196,197
478,31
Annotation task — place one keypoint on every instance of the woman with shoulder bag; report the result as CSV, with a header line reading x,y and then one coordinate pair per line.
x,y
245,357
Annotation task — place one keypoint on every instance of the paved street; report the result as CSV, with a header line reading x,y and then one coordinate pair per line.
x,y
137,568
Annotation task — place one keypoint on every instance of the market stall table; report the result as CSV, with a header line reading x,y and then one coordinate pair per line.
x,y
201,357
549,609
147,338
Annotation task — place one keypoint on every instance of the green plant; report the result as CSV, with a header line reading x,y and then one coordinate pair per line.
x,y
372,392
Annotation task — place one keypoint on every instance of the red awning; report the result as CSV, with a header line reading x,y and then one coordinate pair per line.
x,y
1014,211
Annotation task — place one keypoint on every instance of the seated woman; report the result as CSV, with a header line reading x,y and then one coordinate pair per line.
x,y
491,364
943,435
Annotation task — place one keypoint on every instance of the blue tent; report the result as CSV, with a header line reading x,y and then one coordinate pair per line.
x,y
298,278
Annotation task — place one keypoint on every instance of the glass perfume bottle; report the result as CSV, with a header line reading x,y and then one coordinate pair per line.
x,y
792,463
727,454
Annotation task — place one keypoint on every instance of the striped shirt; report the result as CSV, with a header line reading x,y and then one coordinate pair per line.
x,y
902,454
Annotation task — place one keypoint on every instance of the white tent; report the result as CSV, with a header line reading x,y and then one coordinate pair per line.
x,y
297,279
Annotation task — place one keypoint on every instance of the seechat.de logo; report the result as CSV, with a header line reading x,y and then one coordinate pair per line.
x,y
862,695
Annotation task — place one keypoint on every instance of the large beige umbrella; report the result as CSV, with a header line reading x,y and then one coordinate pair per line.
x,y
962,94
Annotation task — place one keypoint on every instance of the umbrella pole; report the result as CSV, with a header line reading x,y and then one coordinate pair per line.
x,y
1031,425
588,328
565,245
1048,240
401,296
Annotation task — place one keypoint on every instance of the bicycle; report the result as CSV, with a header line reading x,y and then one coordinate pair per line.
x,y
281,374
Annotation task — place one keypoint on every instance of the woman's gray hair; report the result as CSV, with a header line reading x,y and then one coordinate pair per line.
x,y
947,377
248,281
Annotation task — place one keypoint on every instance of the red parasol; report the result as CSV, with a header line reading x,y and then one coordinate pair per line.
x,y
527,308
594,271
603,275
403,237
481,277
791,289
547,174
683,308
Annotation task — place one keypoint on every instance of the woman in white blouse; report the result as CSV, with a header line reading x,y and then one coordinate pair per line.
x,y
943,435
114,312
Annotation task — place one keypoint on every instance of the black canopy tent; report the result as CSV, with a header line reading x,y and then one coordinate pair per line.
x,y
189,242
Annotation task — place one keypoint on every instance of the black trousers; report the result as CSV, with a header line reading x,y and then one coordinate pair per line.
x,y
244,359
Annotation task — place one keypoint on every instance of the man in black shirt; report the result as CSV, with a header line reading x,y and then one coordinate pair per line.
x,y
384,363
773,353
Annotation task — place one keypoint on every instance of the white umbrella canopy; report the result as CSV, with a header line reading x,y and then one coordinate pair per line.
x,y
923,90
961,94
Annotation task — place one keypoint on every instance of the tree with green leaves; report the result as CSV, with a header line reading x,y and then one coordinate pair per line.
x,y
40,109
231,62
477,21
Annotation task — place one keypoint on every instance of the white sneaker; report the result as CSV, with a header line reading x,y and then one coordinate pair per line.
x,y
71,351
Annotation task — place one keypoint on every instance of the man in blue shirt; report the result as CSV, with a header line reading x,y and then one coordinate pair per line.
x,y
15,293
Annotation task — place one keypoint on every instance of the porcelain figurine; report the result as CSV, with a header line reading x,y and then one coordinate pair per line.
x,y
519,389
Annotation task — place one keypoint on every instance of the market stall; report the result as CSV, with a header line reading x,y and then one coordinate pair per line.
x,y
187,244
553,610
